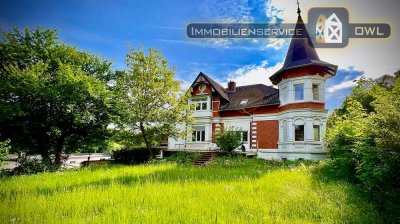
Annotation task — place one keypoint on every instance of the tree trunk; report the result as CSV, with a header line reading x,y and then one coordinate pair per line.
x,y
44,148
59,149
146,141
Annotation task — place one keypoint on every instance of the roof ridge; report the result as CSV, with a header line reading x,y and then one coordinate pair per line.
x,y
258,84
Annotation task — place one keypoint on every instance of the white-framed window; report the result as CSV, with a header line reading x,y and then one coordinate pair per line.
x,y
299,132
298,91
243,136
315,91
200,103
199,134
317,133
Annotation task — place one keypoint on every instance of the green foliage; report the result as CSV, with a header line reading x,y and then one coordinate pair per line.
x,y
150,101
183,157
4,150
28,166
228,139
54,98
363,139
230,189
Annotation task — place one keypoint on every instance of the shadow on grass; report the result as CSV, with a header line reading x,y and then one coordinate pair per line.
x,y
180,174
355,208
222,169
358,207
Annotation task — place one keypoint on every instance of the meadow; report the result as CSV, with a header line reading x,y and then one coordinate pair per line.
x,y
227,190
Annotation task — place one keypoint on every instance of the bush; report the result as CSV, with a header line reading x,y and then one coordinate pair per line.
x,y
27,166
4,149
363,142
134,155
183,157
228,139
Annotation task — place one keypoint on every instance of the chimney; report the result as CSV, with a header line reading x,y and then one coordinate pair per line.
x,y
231,86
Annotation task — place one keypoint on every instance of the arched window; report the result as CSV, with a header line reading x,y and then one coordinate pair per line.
x,y
317,130
299,130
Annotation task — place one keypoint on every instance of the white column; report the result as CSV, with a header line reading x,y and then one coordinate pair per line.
x,y
290,130
290,92
309,132
208,132
322,91
308,90
323,128
281,130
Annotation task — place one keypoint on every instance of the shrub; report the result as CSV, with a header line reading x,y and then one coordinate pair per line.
x,y
4,149
228,140
133,155
183,157
364,141
27,166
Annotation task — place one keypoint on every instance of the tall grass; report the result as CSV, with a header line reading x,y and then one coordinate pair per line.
x,y
228,190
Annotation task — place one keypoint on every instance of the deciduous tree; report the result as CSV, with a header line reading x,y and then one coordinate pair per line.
x,y
54,99
151,102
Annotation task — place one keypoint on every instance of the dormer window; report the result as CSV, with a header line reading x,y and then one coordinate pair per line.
x,y
298,91
244,101
200,103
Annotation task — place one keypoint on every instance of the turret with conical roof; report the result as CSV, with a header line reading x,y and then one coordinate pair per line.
x,y
302,54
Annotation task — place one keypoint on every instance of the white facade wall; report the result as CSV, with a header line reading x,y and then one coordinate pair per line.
x,y
288,147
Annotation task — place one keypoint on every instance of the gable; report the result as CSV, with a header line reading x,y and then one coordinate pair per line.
x,y
214,86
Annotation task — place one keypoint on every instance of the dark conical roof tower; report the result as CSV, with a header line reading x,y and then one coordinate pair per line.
x,y
301,53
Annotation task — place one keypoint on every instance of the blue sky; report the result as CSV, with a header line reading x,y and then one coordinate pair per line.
x,y
109,27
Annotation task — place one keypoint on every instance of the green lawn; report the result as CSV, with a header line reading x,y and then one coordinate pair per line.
x,y
228,190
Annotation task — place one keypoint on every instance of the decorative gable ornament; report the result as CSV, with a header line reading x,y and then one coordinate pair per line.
x,y
202,88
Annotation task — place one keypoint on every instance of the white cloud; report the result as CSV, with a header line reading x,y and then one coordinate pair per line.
x,y
343,85
254,74
276,43
283,10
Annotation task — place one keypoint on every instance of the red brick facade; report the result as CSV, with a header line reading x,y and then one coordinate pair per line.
x,y
267,134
